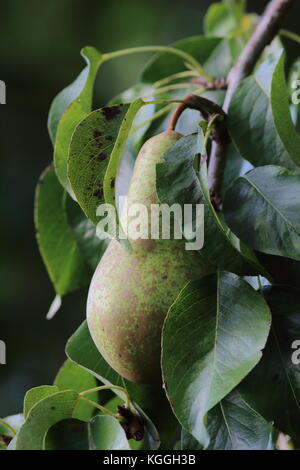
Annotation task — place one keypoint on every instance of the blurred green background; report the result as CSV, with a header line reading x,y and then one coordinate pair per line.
x,y
39,52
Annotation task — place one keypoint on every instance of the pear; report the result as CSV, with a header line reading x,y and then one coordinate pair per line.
x,y
131,292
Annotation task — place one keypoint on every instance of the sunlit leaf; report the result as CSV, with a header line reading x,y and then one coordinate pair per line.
x,y
69,108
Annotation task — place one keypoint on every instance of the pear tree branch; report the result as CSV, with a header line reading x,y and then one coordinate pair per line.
x,y
266,30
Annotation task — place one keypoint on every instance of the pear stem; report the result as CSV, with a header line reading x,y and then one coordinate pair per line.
x,y
206,107
190,62
99,407
176,115
175,76
108,387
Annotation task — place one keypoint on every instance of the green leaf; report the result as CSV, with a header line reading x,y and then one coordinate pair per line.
x,y
82,350
188,442
164,64
224,56
90,245
212,338
44,415
140,90
69,434
64,262
102,433
262,209
273,387
80,89
177,182
235,166
234,425
76,102
95,153
71,376
118,150
224,18
259,118
284,271
281,111
221,246
34,395
108,434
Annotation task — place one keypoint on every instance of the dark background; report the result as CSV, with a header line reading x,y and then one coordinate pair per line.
x,y
39,55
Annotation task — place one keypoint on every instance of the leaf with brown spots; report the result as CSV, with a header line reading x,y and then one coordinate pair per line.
x,y
69,108
96,149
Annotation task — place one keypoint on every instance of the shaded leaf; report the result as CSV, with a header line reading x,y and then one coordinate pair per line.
x,y
44,415
221,246
91,246
177,182
102,433
82,350
108,434
281,111
212,338
284,271
262,209
259,117
73,377
235,166
69,434
188,442
64,262
234,425
273,387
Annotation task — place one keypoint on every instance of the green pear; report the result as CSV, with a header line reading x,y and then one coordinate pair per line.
x,y
131,292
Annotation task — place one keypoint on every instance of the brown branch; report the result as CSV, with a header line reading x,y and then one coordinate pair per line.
x,y
216,84
206,107
264,33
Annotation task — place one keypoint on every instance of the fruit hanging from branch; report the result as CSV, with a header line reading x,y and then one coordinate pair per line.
x,y
131,292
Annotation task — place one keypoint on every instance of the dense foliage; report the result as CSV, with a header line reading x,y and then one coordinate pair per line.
x,y
231,380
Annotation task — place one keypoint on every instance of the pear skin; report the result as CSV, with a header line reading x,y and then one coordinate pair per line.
x,y
131,292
